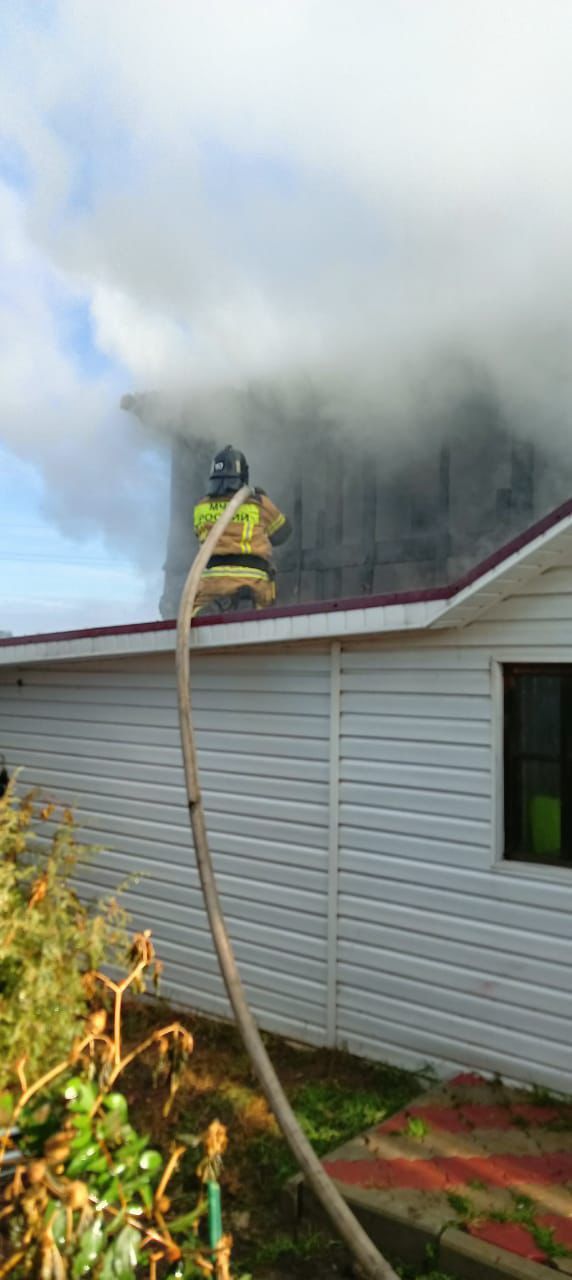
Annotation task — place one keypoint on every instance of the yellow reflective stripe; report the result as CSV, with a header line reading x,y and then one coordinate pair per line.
x,y
221,571
276,524
247,536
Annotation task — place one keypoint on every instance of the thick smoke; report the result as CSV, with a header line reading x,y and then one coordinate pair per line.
x,y
363,207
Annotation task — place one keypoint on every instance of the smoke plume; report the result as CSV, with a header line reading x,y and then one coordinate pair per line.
x,y
365,207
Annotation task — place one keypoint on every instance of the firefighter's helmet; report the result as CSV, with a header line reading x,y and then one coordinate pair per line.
x,y
228,473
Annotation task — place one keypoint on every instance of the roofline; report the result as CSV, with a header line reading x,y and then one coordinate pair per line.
x,y
247,615
510,548
430,594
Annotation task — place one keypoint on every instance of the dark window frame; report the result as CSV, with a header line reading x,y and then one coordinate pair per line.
x,y
514,759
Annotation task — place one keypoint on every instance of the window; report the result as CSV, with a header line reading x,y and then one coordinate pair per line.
x,y
538,764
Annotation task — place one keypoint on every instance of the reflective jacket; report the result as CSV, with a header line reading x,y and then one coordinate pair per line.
x,y
255,528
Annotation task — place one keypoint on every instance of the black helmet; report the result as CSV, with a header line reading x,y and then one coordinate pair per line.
x,y
228,473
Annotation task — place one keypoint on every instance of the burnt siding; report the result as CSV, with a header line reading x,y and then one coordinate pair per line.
x,y
376,516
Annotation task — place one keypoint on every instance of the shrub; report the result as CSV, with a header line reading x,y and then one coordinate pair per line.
x,y
88,1194
82,1192
49,939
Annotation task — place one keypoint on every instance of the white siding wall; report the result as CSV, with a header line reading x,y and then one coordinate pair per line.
x,y
443,951
440,953
104,737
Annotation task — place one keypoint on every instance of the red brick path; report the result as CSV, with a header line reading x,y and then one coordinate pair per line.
x,y
484,1120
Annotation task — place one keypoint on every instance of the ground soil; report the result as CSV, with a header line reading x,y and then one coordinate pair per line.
x,y
335,1096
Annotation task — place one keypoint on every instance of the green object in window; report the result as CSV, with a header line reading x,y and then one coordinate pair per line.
x,y
545,824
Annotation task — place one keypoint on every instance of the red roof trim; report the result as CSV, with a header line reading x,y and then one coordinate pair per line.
x,y
516,544
222,619
479,570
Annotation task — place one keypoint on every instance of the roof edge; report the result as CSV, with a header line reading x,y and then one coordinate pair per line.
x,y
510,548
250,615
443,593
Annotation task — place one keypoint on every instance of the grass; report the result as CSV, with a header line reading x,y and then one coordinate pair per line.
x,y
524,1213
335,1097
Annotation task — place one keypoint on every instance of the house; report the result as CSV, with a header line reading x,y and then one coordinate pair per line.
x,y
388,792
373,509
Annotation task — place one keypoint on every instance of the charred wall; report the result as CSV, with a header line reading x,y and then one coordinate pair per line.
x,y
371,517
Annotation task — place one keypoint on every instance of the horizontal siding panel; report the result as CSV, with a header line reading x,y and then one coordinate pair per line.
x,y
267,977
164,701
393,751
70,731
178,877
401,950
427,1015
143,855
193,976
418,728
395,1041
527,608
95,675
441,706
262,976
418,780
94,744
226,825
168,806
424,848
421,914
397,975
415,681
372,657
269,661
556,581
211,984
92,714
478,905
493,636
251,853
257,945
291,924
164,783
467,880
440,800
181,992
405,822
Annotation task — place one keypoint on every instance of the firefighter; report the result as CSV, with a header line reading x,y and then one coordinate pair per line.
x,y
241,571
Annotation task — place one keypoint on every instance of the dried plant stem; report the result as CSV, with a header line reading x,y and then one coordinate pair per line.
x,y
169,1171
12,1262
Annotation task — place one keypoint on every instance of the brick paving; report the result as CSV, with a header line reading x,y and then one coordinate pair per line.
x,y
473,1153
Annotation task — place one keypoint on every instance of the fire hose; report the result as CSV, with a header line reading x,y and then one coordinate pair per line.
x,y
371,1262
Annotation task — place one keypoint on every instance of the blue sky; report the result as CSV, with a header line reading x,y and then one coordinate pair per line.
x,y
52,582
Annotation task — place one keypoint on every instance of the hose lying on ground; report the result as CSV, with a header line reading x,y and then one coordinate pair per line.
x,y
346,1225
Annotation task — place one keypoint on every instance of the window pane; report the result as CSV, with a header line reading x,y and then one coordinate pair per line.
x,y
538,721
